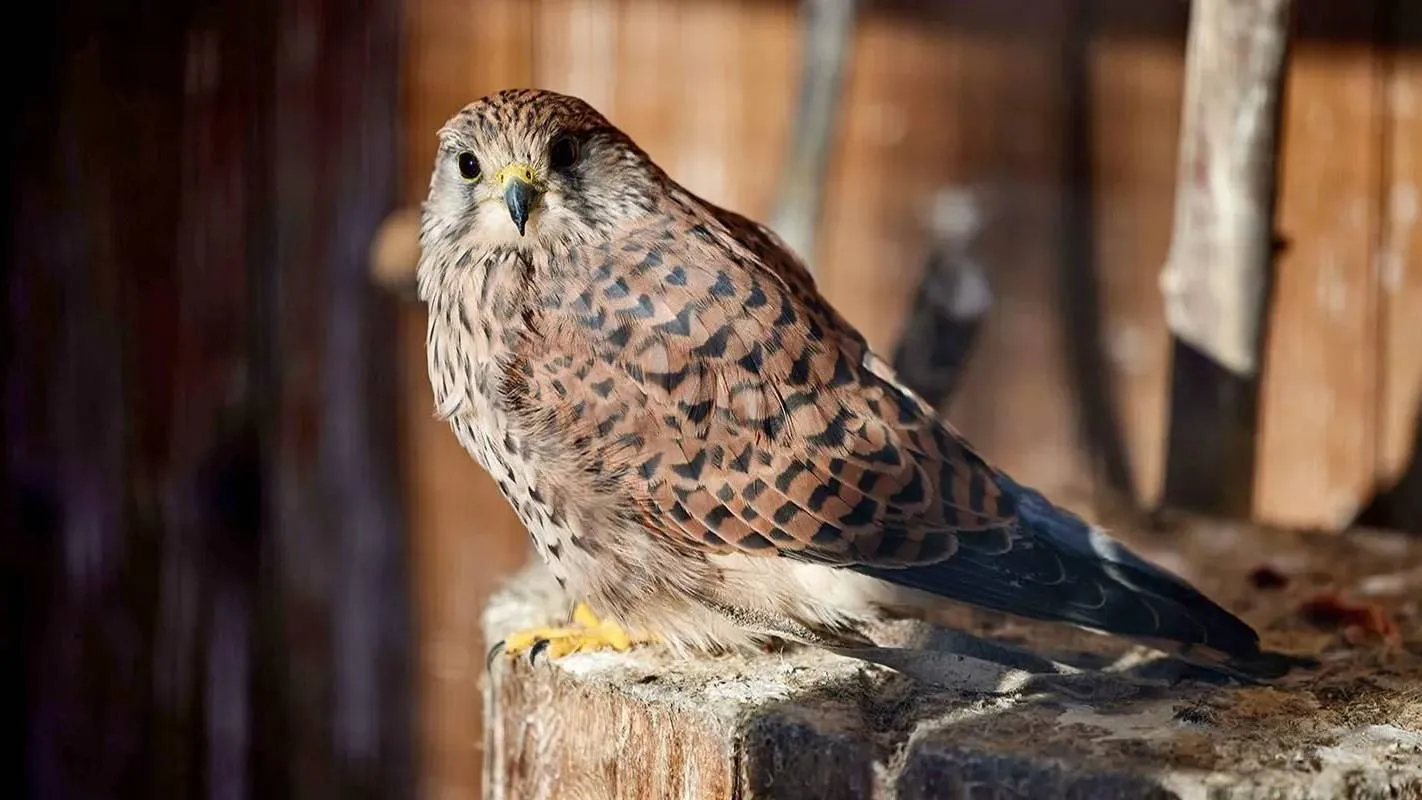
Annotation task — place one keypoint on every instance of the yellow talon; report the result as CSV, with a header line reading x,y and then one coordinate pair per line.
x,y
586,634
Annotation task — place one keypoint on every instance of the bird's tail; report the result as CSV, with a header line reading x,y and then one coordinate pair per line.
x,y
1145,602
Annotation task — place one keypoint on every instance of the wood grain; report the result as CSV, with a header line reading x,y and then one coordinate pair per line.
x,y
1318,423
1399,256
1216,277
1136,110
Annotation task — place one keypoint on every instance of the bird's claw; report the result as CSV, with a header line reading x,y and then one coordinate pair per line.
x,y
587,634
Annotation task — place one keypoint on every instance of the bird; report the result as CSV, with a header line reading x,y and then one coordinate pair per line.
x,y
706,454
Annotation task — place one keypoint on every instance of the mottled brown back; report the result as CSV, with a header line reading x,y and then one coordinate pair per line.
x,y
695,364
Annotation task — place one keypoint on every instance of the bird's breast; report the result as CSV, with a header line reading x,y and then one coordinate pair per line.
x,y
466,349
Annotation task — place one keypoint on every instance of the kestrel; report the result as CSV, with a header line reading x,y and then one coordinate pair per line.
x,y
703,450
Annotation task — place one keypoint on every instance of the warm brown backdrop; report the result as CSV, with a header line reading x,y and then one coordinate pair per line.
x,y
972,94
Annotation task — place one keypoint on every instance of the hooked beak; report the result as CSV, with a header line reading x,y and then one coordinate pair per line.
x,y
519,193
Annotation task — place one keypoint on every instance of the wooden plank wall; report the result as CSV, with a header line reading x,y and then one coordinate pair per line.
x,y
1340,395
1137,92
1317,407
202,579
970,94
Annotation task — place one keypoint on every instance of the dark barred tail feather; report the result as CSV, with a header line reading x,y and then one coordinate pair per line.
x,y
1060,568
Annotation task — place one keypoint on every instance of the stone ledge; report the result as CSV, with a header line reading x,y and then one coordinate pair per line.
x,y
806,724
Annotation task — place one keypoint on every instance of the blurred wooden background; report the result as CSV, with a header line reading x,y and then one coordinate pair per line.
x,y
1055,113
203,581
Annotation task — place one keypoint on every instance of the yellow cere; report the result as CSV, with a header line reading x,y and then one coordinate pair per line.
x,y
521,171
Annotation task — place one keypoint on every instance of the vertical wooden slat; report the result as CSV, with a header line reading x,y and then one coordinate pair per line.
x,y
1318,425
338,553
1078,291
865,265
216,266
826,36
1400,258
576,47
1215,279
1138,91
1399,273
768,42
1216,276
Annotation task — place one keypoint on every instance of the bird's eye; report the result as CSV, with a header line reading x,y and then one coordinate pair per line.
x,y
563,153
468,166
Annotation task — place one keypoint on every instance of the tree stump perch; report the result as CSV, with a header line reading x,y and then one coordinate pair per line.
x,y
800,723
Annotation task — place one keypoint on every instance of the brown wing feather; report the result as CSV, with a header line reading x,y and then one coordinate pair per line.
x,y
696,363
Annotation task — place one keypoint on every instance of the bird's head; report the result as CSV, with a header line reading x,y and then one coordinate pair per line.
x,y
529,169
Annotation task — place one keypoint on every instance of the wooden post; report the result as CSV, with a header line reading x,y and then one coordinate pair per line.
x,y
1216,276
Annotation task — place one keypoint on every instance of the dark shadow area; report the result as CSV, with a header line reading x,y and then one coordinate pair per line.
x,y
1211,439
1093,734
1399,506
1079,290
204,573
29,550
941,743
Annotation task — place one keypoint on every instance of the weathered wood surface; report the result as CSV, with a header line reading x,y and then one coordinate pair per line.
x,y
800,724
1216,276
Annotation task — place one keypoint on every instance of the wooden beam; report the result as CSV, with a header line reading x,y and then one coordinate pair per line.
x,y
1216,276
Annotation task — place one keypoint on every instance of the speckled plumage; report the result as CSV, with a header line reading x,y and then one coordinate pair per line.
x,y
699,444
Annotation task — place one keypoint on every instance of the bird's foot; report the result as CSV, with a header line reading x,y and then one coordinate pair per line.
x,y
587,634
